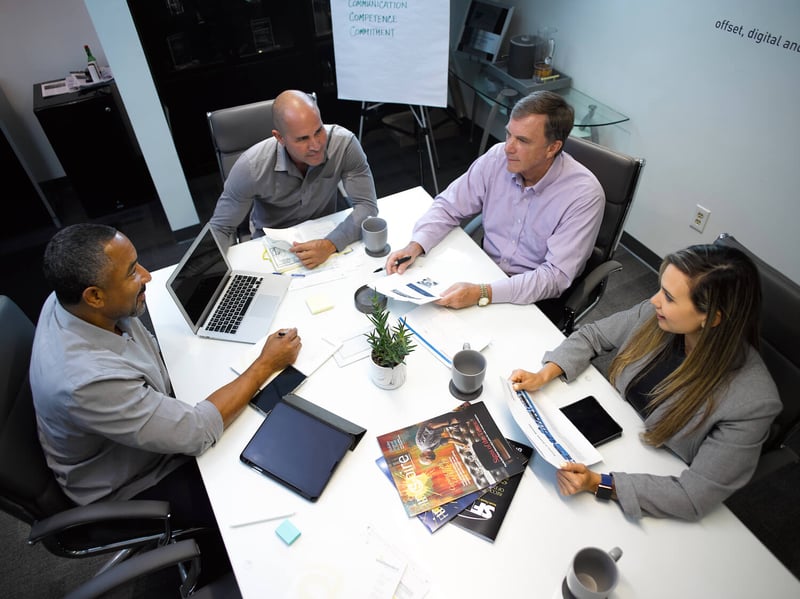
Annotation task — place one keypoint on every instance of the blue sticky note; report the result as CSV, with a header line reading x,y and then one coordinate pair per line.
x,y
287,532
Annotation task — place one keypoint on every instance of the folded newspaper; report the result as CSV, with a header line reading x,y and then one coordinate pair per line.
x,y
553,436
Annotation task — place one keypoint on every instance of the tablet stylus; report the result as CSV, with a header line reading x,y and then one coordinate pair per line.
x,y
270,519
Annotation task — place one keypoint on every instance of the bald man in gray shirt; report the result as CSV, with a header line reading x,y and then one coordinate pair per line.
x,y
293,177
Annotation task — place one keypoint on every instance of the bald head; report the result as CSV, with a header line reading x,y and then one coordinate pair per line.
x,y
299,128
290,106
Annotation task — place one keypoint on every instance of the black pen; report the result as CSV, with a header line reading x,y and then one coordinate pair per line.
x,y
397,262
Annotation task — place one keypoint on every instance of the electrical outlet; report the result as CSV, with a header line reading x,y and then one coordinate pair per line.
x,y
700,218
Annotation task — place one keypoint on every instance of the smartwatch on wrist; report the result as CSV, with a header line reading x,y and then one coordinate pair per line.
x,y
484,299
606,487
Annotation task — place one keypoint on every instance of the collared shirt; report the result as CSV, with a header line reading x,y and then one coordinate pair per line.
x,y
265,179
540,235
107,422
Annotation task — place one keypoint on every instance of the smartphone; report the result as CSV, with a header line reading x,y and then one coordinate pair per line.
x,y
591,419
287,381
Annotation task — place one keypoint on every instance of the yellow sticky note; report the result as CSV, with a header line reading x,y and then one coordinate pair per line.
x,y
319,303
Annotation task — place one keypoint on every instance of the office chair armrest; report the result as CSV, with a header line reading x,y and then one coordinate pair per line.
x,y
791,441
145,563
106,511
579,295
473,225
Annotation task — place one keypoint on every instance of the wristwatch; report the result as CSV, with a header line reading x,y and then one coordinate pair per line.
x,y
484,299
606,487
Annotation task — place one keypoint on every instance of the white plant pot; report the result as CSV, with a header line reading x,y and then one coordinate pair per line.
x,y
388,378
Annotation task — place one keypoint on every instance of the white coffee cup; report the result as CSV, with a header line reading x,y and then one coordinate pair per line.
x,y
375,234
468,370
593,573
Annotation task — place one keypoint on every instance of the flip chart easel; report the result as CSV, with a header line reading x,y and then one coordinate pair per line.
x,y
394,52
424,130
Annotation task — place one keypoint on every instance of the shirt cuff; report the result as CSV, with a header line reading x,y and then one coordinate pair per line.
x,y
501,291
213,417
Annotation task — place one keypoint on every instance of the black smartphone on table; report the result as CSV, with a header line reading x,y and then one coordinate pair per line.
x,y
591,419
287,381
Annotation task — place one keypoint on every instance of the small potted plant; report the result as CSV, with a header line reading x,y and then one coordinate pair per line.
x,y
390,345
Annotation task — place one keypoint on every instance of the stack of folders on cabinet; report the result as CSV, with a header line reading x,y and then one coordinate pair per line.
x,y
455,467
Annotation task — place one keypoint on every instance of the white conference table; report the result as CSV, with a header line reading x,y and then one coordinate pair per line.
x,y
716,557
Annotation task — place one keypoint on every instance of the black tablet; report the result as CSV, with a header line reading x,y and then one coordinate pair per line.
x,y
287,381
592,420
296,449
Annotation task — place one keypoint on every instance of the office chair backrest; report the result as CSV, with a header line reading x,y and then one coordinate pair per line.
x,y
780,338
618,174
28,489
235,129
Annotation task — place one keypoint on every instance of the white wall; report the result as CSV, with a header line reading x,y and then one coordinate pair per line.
x,y
42,40
714,114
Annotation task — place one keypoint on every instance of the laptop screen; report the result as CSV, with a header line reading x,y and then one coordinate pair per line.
x,y
199,277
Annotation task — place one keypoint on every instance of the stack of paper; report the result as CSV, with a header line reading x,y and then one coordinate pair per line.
x,y
313,354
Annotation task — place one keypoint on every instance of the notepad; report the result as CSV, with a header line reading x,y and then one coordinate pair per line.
x,y
288,532
319,303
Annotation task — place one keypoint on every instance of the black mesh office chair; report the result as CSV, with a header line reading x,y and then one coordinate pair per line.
x,y
780,333
619,175
28,489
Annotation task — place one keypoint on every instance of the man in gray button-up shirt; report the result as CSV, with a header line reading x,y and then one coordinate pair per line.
x,y
293,177
108,423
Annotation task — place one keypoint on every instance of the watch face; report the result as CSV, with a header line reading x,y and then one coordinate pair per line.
x,y
603,492
484,301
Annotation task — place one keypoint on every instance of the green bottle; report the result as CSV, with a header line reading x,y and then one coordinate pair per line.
x,y
92,66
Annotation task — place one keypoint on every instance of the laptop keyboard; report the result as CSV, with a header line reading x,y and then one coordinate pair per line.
x,y
230,311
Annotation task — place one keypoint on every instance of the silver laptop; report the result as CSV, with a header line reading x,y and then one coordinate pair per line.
x,y
220,303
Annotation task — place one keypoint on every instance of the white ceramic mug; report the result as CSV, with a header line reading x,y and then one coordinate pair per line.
x,y
375,234
469,370
593,573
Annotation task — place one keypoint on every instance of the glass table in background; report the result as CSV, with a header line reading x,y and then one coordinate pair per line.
x,y
488,83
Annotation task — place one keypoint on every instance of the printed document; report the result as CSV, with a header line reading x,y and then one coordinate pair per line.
x,y
443,333
553,436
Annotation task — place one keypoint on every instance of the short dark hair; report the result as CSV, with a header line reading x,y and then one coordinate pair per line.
x,y
75,259
560,115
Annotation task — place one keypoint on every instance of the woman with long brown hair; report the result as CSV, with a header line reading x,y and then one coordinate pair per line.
x,y
688,363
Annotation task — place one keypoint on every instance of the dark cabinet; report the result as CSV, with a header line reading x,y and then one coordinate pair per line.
x,y
92,138
211,54
24,198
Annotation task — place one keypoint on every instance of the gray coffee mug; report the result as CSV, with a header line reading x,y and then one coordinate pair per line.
x,y
593,573
469,370
375,234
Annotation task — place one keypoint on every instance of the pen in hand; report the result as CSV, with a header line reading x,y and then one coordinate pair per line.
x,y
397,262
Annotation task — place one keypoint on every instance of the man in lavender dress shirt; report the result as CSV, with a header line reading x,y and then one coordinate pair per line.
x,y
541,210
